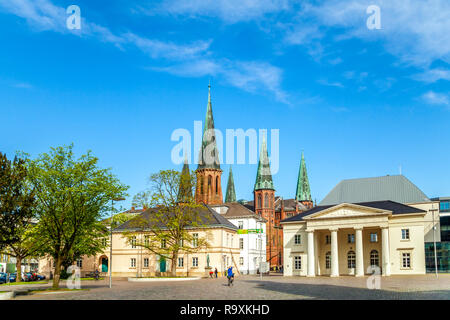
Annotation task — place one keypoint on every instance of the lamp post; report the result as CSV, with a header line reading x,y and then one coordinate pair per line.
x,y
111,238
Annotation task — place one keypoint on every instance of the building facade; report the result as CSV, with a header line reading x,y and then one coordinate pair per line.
x,y
355,239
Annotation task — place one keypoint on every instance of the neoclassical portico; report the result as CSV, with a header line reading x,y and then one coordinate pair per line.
x,y
352,239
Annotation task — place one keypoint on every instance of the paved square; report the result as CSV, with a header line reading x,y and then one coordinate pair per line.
x,y
250,287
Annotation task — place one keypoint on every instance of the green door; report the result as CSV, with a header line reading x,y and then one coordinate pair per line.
x,y
162,264
104,264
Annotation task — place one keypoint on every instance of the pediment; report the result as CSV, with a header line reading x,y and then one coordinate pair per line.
x,y
346,210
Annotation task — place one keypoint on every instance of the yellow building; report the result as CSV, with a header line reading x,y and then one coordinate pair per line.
x,y
129,260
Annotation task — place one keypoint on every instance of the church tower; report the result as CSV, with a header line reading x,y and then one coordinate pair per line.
x,y
209,188
185,189
303,192
264,204
231,192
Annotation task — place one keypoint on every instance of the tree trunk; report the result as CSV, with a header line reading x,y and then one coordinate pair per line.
x,y
19,269
174,264
57,274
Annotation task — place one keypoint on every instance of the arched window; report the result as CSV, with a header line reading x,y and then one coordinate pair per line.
x,y
259,201
328,260
351,259
272,202
266,201
374,258
209,183
217,185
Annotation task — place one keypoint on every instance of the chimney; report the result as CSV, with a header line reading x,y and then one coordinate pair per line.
x,y
133,209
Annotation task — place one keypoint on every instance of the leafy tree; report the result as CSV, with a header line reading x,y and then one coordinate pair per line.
x,y
26,247
73,195
16,200
167,226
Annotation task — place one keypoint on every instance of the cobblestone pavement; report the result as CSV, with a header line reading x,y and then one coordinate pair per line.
x,y
251,287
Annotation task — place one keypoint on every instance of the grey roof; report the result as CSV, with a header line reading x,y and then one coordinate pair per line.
x,y
396,188
235,210
395,207
208,218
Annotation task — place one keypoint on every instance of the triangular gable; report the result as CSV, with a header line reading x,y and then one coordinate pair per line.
x,y
345,210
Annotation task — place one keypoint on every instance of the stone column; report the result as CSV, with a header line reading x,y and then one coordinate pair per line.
x,y
311,267
359,253
386,271
334,254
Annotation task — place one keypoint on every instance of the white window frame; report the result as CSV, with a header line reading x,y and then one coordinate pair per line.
x,y
133,262
241,243
80,263
297,262
195,240
241,261
351,238
373,237
298,239
146,262
409,259
406,234
195,262
133,242
180,262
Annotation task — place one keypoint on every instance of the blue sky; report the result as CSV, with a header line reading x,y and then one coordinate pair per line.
x,y
358,102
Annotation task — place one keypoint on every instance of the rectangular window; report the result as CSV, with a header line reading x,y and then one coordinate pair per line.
x,y
351,238
133,262
297,239
298,263
406,260
327,239
163,243
195,262
133,242
195,240
145,262
80,263
104,242
241,261
405,234
241,224
147,240
374,237
180,262
181,243
241,243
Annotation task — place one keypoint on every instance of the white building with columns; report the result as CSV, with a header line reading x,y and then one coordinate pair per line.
x,y
355,239
360,225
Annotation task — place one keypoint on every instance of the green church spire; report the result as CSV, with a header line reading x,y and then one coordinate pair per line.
x,y
263,175
303,192
209,155
185,189
231,193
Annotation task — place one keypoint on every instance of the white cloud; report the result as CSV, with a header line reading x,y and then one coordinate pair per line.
x,y
415,31
433,75
325,82
188,60
230,11
436,98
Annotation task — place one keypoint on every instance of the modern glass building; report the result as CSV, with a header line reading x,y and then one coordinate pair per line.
x,y
442,247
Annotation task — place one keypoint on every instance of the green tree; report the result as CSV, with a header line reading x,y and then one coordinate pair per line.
x,y
167,226
16,200
73,195
26,247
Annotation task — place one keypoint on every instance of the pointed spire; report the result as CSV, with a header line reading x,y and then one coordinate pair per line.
x,y
209,156
263,175
231,193
185,189
303,192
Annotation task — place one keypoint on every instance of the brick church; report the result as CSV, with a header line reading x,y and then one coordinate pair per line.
x,y
265,203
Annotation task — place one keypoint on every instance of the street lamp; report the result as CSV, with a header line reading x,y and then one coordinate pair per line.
x,y
110,239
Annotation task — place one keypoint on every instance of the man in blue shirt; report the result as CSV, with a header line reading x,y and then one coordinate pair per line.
x,y
230,276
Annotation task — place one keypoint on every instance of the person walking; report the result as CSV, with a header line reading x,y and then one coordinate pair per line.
x,y
230,276
215,272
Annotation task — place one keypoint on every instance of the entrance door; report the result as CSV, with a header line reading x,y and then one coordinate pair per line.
x,y
162,264
104,264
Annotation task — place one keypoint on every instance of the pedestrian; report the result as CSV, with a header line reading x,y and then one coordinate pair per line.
x,y
211,274
230,276
215,272
96,274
